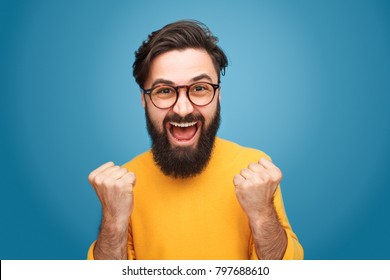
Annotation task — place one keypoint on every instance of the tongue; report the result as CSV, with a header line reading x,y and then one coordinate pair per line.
x,y
183,133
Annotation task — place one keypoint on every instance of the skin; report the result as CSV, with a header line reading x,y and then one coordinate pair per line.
x,y
198,67
254,186
114,188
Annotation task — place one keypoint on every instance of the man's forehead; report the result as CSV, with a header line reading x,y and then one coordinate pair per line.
x,y
201,77
182,66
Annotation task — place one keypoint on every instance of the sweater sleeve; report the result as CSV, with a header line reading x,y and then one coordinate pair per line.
x,y
90,251
130,244
294,250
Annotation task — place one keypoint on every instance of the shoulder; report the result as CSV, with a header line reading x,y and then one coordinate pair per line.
x,y
236,152
232,147
143,160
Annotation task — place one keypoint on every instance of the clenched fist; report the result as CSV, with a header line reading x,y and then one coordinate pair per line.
x,y
255,187
114,188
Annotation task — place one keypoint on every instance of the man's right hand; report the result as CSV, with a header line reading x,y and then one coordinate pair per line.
x,y
114,187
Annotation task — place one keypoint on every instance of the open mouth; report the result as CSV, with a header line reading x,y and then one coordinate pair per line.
x,y
183,132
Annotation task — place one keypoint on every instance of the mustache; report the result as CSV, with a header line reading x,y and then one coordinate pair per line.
x,y
189,118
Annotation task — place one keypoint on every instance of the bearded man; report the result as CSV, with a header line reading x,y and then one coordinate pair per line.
x,y
196,196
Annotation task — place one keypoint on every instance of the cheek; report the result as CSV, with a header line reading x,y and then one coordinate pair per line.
x,y
156,116
209,113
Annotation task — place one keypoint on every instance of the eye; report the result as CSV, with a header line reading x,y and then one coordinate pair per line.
x,y
199,88
164,90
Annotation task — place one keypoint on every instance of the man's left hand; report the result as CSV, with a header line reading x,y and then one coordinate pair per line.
x,y
255,187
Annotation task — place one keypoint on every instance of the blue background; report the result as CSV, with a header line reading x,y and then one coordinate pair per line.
x,y
308,83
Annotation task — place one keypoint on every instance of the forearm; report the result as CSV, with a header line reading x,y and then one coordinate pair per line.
x,y
269,236
112,241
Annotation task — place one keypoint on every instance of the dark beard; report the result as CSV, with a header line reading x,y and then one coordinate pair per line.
x,y
183,162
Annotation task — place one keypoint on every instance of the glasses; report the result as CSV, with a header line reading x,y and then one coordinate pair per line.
x,y
164,96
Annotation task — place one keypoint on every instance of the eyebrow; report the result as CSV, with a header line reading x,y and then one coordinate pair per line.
x,y
162,81
201,77
194,79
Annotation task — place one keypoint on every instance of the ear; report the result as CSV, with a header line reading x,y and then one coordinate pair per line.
x,y
143,100
219,96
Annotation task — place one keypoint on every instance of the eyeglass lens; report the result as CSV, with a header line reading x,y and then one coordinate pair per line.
x,y
165,96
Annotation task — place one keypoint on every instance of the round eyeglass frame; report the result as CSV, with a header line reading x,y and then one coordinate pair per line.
x,y
187,87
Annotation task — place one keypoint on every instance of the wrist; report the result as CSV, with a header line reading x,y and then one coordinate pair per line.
x,y
115,224
262,214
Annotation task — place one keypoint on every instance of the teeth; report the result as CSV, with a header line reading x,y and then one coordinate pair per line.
x,y
183,124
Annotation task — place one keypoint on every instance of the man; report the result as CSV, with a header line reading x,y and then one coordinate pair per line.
x,y
196,196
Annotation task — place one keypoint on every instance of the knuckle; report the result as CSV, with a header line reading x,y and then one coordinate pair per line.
x,y
107,181
118,185
98,179
252,165
266,178
115,168
132,177
91,177
246,183
279,174
244,171
257,180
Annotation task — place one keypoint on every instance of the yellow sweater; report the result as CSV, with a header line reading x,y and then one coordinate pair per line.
x,y
199,217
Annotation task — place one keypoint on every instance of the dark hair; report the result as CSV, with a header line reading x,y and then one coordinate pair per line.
x,y
179,35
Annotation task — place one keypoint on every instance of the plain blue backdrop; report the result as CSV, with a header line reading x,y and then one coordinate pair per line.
x,y
308,83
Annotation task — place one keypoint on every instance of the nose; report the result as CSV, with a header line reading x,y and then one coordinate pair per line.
x,y
183,105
